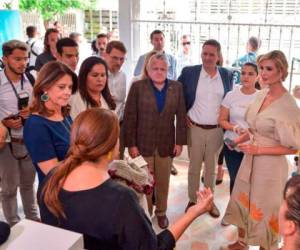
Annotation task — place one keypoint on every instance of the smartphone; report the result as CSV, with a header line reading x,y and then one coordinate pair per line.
x,y
232,144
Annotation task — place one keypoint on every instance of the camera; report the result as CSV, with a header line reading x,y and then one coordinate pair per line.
x,y
230,143
23,100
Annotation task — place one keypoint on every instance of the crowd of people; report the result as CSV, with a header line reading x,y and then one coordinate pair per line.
x,y
67,120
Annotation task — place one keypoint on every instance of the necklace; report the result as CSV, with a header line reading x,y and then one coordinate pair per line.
x,y
66,126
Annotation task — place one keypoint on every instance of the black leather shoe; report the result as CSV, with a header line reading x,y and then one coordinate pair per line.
x,y
189,205
163,221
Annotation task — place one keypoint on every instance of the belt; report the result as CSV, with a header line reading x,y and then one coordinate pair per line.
x,y
204,126
17,140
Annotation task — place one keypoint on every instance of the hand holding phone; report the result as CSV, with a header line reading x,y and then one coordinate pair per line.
x,y
230,143
12,121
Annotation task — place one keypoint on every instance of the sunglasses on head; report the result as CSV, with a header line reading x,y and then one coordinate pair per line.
x,y
186,43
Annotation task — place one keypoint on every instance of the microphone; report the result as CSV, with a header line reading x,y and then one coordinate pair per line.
x,y
4,232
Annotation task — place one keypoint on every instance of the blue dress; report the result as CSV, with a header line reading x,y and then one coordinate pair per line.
x,y
46,139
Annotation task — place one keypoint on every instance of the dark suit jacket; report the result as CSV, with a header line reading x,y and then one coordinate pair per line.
x,y
146,128
189,78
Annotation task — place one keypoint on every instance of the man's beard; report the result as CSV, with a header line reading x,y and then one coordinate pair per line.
x,y
14,71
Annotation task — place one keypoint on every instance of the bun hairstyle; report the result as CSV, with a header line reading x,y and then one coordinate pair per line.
x,y
94,134
291,195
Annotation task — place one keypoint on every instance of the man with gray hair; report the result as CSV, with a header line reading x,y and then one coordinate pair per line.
x,y
151,108
16,169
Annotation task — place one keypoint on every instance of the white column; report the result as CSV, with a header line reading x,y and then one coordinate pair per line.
x,y
127,10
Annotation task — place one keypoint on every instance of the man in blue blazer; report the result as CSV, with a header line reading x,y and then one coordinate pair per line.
x,y
204,88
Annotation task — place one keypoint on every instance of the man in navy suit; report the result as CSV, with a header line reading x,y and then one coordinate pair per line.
x,y
204,88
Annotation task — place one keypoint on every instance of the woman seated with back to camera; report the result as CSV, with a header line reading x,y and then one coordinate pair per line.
x,y
79,195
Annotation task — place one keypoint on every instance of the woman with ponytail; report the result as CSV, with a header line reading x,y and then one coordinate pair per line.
x,y
79,196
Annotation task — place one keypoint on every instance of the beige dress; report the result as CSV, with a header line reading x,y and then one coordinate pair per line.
x,y
257,194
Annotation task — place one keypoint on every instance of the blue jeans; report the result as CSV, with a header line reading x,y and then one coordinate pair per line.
x,y
233,161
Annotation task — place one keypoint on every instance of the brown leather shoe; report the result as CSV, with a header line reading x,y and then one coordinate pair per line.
x,y
189,205
163,221
214,212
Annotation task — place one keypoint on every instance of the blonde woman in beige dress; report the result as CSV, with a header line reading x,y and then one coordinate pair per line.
x,y
274,121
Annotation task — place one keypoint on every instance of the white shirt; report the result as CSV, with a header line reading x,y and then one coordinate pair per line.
x,y
9,101
117,87
37,47
209,95
78,104
184,60
237,103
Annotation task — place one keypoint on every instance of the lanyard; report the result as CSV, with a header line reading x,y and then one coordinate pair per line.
x,y
12,85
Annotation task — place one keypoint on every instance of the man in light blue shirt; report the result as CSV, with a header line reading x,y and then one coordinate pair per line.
x,y
16,169
157,38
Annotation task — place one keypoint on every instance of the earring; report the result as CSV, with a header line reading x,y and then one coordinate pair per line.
x,y
44,97
109,155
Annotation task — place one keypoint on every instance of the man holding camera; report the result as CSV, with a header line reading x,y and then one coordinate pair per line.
x,y
16,169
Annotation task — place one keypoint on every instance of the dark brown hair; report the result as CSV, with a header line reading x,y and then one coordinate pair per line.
x,y
102,35
65,42
10,46
48,32
253,65
85,69
118,45
31,31
49,74
214,43
94,134
254,43
155,32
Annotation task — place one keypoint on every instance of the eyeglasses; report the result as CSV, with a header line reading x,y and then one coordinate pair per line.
x,y
186,43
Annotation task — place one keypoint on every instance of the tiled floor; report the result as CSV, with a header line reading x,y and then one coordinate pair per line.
x,y
205,233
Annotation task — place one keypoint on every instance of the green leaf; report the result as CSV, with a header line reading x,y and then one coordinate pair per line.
x,y
50,8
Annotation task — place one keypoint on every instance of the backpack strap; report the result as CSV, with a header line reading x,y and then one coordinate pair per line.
x,y
31,49
29,76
